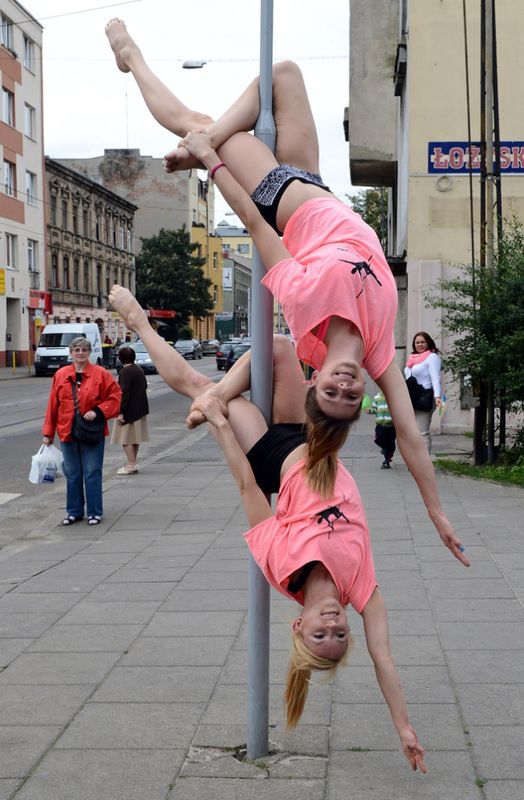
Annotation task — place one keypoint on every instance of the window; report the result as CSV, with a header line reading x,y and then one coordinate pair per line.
x,y
64,213
32,255
75,218
86,275
76,274
243,249
11,250
30,188
215,294
215,260
66,272
29,121
9,178
6,32
8,107
85,221
98,278
29,54
122,238
129,241
54,270
52,212
98,223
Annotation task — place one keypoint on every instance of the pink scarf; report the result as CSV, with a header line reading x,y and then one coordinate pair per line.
x,y
417,358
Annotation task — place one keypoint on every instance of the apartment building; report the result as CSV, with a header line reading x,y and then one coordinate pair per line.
x,y
164,201
24,300
408,131
90,246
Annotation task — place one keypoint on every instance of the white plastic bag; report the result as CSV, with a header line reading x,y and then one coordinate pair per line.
x,y
46,465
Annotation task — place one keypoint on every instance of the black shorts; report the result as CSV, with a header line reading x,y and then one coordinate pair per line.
x,y
267,195
269,453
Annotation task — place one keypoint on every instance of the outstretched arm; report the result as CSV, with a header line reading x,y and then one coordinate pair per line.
x,y
377,639
256,506
416,456
266,240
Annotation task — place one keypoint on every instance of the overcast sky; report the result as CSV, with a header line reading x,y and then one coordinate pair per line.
x,y
89,105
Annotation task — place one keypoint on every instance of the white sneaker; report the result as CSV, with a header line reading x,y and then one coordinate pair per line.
x,y
128,469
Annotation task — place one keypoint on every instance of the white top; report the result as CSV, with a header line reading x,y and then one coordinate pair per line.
x,y
427,373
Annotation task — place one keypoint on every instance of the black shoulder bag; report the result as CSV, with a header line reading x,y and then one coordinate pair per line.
x,y
421,398
83,431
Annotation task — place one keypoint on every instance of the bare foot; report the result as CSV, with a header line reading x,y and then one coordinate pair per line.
x,y
195,416
121,43
129,309
181,159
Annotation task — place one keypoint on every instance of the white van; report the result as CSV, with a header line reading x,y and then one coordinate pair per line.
x,y
53,348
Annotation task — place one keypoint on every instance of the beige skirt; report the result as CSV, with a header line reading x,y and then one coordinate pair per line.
x,y
131,433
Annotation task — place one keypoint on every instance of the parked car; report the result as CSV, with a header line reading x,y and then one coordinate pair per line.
x,y
189,348
234,354
210,347
221,354
143,359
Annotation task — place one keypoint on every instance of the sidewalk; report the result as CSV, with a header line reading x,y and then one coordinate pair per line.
x,y
123,647
8,373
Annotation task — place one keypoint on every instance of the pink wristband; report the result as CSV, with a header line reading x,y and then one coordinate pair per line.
x,y
215,169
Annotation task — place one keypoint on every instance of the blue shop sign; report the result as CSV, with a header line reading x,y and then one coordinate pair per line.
x,y
455,157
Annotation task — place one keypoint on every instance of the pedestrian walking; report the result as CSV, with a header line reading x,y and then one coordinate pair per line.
x,y
130,427
424,365
384,429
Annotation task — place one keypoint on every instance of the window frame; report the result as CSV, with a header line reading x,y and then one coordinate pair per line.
x,y
32,255
6,31
11,246
29,54
30,188
8,107
9,182
30,121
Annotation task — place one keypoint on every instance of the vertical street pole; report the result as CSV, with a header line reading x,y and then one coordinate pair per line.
x,y
261,395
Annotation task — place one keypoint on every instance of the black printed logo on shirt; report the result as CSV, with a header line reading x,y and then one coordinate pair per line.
x,y
327,513
364,270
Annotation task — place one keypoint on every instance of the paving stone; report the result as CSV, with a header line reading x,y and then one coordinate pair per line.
x,y
158,685
500,704
58,668
486,666
104,775
477,610
86,639
21,602
87,612
420,685
11,648
475,635
255,789
503,790
170,651
499,751
485,588
182,599
21,746
130,574
132,725
208,623
438,726
380,775
41,704
135,593
25,626
7,787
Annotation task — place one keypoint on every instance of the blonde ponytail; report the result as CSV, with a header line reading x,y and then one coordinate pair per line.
x,y
325,437
301,663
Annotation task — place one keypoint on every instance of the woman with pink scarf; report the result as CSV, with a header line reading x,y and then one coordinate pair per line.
x,y
424,364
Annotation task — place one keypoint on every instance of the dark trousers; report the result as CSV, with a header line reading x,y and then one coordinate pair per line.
x,y
385,437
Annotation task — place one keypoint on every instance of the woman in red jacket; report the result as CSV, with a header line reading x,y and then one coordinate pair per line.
x,y
98,396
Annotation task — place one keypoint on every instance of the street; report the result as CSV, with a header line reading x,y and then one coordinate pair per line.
x,y
24,401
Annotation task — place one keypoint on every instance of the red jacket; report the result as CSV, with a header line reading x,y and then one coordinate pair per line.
x,y
98,389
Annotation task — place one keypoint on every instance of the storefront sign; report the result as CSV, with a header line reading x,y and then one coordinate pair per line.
x,y
455,157
2,280
160,313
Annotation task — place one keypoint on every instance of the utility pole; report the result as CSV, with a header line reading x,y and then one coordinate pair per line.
x,y
261,395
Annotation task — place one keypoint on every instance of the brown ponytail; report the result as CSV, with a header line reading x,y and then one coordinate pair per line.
x,y
325,437
301,663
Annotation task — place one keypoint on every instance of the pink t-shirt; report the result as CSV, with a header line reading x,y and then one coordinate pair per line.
x,y
307,528
338,269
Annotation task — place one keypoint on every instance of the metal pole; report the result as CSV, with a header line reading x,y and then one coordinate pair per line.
x,y
261,395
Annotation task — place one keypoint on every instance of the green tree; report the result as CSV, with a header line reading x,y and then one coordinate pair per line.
x,y
372,205
484,312
169,277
